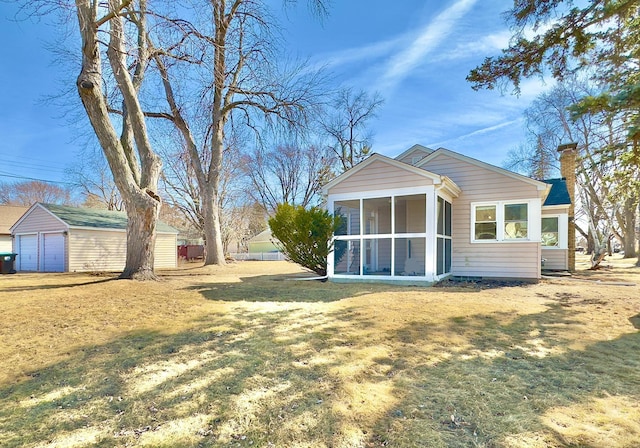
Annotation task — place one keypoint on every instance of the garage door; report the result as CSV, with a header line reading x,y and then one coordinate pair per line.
x,y
27,250
52,252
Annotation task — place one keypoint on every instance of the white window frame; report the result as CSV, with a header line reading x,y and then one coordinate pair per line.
x,y
563,231
429,234
534,221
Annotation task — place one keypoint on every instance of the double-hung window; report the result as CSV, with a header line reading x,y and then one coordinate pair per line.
x,y
486,224
515,221
500,221
554,229
550,232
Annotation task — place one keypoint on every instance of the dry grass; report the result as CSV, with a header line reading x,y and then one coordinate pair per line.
x,y
245,356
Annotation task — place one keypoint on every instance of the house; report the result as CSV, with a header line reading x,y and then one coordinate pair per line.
x,y
9,214
262,242
430,214
56,238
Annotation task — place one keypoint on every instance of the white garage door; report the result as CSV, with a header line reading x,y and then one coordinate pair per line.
x,y
27,249
53,252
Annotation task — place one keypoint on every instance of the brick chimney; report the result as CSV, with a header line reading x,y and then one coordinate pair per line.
x,y
568,172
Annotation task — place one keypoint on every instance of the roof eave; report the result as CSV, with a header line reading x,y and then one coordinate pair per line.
x,y
379,157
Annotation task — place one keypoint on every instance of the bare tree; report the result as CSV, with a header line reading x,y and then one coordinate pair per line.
x,y
607,204
347,125
236,58
180,188
91,175
241,223
231,46
134,164
286,174
30,192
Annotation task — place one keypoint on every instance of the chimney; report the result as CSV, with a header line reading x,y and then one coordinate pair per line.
x,y
568,173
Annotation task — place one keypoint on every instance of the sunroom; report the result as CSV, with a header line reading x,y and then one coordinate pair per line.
x,y
397,233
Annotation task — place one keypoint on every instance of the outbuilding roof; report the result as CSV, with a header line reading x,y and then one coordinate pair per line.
x,y
262,237
94,218
559,194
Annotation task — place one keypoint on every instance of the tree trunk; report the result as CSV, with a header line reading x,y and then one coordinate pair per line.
x,y
629,229
212,235
591,244
137,188
142,214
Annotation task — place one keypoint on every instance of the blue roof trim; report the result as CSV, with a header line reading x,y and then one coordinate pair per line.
x,y
559,194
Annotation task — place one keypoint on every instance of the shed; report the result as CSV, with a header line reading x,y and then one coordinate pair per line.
x,y
262,242
9,214
57,238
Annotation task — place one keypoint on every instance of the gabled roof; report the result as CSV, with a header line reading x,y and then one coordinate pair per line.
x,y
414,148
436,178
559,194
9,215
541,186
76,217
262,237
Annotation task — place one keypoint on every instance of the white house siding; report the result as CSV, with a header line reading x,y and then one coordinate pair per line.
x,y
98,250
412,156
380,176
166,255
504,260
39,220
556,258
6,244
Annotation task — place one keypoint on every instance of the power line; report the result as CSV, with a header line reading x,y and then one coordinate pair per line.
x,y
32,166
3,174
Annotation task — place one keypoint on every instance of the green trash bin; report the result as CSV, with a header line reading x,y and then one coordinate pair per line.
x,y
7,261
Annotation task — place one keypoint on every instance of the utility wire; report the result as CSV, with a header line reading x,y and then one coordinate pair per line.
x,y
3,174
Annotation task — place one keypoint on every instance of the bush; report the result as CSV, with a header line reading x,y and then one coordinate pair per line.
x,y
305,236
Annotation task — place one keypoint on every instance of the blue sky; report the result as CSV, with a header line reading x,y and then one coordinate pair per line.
x,y
416,56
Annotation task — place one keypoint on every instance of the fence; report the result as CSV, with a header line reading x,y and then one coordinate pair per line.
x,y
259,256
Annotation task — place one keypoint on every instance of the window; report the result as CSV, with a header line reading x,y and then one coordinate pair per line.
x,y
410,212
515,221
410,256
550,232
381,236
501,221
347,257
349,211
486,222
377,216
443,239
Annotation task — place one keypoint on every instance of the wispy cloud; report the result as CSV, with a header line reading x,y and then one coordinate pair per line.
x,y
358,54
487,45
426,40
478,132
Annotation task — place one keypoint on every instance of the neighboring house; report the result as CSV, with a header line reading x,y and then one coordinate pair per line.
x,y
56,238
262,242
427,215
9,214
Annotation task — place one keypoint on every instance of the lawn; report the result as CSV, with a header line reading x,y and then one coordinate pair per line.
x,y
247,356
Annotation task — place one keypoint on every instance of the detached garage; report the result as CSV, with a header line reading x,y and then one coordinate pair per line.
x,y
56,238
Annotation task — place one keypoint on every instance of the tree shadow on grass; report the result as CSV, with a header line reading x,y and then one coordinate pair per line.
x,y
515,381
74,284
314,378
286,288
